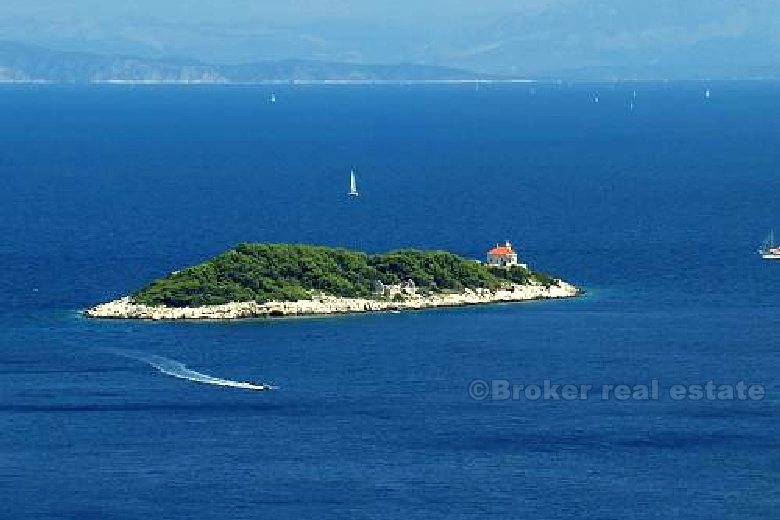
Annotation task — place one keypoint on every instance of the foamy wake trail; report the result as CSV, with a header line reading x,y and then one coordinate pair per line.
x,y
179,370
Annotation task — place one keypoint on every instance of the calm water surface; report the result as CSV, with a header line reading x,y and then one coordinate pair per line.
x,y
656,211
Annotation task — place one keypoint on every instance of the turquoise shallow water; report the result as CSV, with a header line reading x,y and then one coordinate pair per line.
x,y
657,212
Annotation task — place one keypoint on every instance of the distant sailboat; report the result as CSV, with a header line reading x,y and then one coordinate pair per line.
x,y
353,192
596,98
769,250
707,93
273,98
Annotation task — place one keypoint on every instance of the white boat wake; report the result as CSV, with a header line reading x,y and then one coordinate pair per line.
x,y
179,370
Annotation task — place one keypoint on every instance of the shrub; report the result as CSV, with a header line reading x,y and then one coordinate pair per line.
x,y
266,272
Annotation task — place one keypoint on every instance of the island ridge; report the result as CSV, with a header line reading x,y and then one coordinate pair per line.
x,y
260,280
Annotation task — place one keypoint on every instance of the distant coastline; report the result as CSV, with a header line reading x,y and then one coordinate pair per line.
x,y
333,81
282,82
24,63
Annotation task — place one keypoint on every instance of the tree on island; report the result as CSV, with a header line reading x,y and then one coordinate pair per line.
x,y
289,272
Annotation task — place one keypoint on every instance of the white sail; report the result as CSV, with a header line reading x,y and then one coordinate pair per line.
x,y
352,184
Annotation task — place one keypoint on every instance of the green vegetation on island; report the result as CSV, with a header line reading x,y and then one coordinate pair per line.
x,y
288,272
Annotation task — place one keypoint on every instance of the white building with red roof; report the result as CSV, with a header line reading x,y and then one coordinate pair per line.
x,y
502,255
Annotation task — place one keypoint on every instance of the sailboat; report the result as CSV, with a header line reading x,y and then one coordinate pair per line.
x,y
707,93
353,192
272,99
769,250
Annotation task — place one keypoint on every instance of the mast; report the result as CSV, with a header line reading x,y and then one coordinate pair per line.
x,y
769,242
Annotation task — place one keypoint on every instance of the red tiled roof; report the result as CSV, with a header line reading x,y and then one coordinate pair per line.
x,y
501,251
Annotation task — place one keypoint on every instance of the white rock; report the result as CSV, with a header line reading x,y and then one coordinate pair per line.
x,y
126,308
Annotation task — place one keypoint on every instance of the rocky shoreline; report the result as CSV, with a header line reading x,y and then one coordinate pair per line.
x,y
126,308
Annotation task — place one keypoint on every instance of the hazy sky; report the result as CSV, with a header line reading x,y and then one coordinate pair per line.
x,y
284,11
515,37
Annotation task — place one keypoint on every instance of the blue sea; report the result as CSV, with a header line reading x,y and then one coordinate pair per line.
x,y
656,212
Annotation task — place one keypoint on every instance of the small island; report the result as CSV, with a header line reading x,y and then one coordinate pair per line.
x,y
267,280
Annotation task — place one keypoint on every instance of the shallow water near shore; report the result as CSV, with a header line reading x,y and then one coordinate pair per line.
x,y
657,213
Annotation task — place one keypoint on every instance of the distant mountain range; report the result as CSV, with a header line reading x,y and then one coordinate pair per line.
x,y
541,39
30,63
